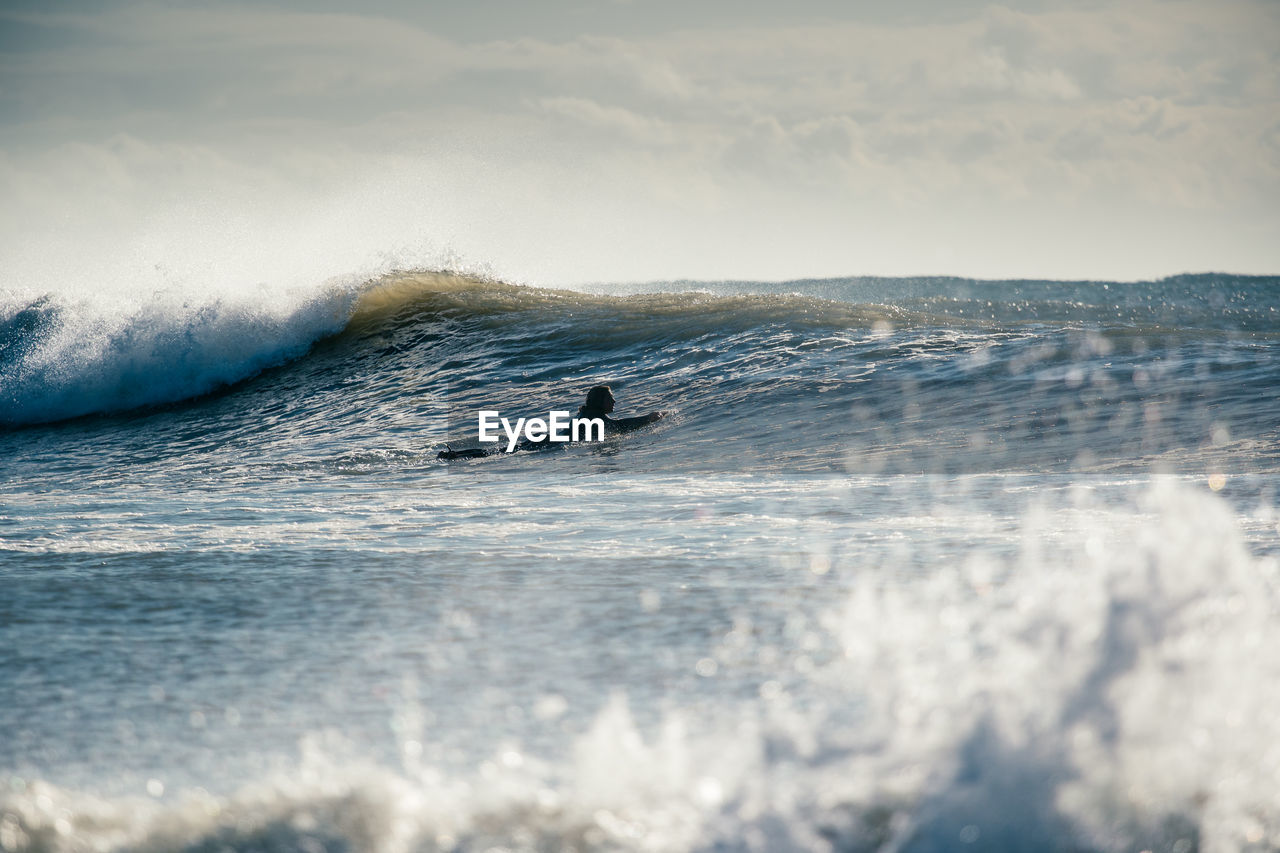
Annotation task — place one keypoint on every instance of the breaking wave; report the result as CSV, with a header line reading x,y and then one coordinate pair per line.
x,y
63,357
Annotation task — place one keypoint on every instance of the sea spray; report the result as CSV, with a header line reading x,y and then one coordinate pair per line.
x,y
1110,686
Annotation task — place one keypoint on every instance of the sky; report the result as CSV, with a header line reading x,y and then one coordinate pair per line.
x,y
577,141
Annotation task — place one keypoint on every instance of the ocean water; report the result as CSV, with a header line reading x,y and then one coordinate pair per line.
x,y
911,565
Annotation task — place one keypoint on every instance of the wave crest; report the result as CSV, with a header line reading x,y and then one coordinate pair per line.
x,y
61,358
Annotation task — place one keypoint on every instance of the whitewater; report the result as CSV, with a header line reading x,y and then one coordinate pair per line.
x,y
912,564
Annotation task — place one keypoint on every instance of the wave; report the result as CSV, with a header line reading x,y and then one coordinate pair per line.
x,y
868,375
1109,688
62,358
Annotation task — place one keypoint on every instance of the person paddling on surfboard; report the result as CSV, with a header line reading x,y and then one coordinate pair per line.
x,y
599,404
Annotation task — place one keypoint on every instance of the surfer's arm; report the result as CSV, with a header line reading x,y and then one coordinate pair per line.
x,y
638,421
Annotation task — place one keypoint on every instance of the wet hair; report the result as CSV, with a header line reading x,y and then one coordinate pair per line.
x,y
596,397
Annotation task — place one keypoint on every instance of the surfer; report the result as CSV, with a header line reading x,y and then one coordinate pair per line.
x,y
599,404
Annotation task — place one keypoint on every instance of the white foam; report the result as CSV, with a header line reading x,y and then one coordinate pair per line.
x,y
103,355
1112,688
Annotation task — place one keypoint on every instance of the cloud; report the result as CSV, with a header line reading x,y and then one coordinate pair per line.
x,y
992,71
1160,105
629,125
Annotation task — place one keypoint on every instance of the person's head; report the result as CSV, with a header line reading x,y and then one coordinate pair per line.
x,y
600,399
